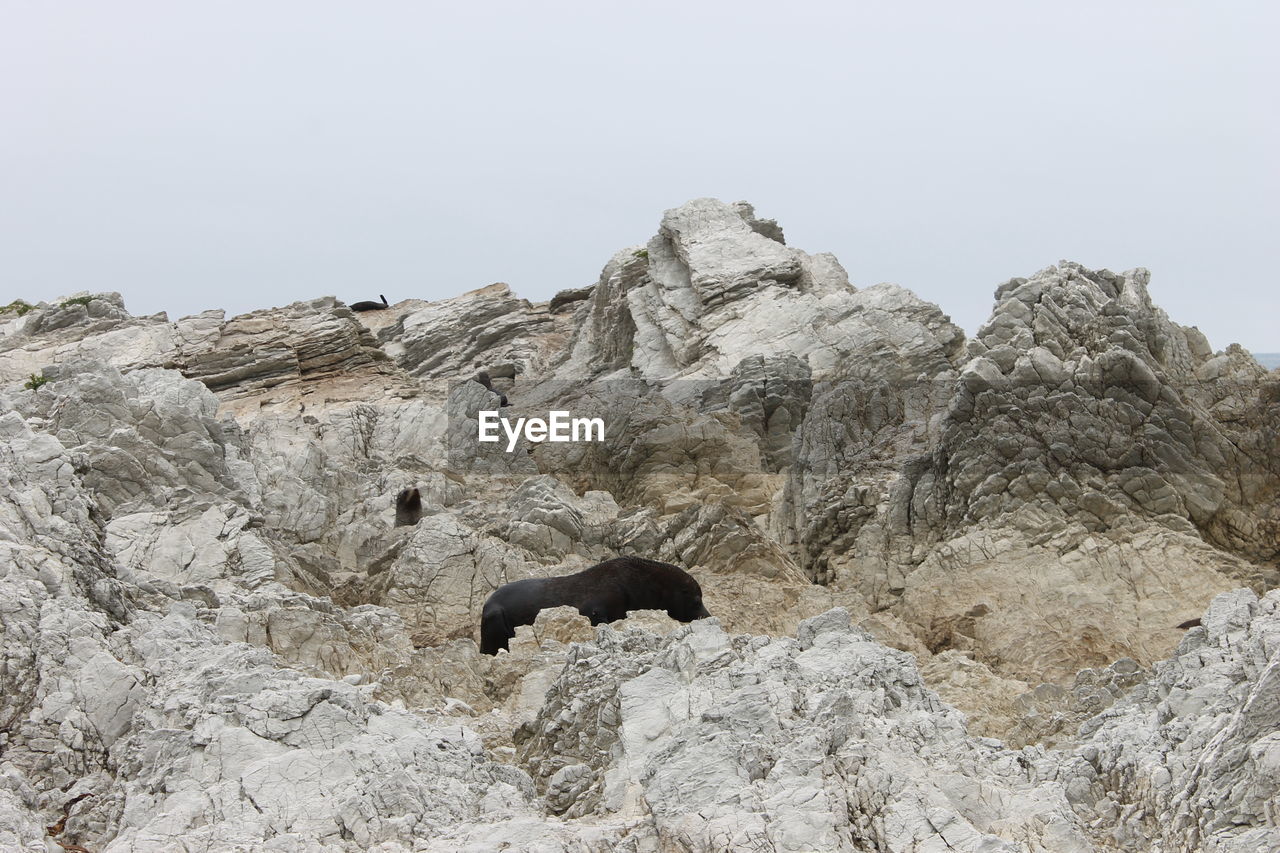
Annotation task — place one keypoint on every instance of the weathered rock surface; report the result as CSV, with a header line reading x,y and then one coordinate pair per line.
x,y
1189,759
709,289
488,329
1083,487
828,742
216,637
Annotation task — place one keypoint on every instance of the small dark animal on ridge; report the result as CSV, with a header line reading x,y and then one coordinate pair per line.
x,y
1191,623
603,593
408,507
483,378
370,305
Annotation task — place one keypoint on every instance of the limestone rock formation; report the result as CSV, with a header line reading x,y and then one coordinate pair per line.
x,y
945,574
1083,453
488,329
709,289
1190,757
828,742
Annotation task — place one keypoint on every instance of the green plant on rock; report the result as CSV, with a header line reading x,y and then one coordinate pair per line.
x,y
35,381
18,306
76,300
642,254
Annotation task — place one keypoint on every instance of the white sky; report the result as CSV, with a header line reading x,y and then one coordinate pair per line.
x,y
239,155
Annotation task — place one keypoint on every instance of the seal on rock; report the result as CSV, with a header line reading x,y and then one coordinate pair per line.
x,y
408,507
483,378
370,305
603,593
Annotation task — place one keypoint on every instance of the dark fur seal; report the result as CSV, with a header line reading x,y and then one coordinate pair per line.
x,y
370,305
603,593
408,507
483,378
1191,623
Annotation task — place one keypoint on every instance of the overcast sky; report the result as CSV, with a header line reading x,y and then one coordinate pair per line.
x,y
241,155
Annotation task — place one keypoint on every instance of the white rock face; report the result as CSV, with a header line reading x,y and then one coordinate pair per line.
x,y
1188,759
710,290
830,742
215,637
488,329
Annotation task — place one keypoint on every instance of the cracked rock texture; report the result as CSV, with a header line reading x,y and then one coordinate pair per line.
x,y
944,573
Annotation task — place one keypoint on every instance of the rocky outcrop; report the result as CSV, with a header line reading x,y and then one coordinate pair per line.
x,y
97,328
1189,758
489,329
1069,502
216,635
305,341
1109,411
147,437
708,290
144,698
826,742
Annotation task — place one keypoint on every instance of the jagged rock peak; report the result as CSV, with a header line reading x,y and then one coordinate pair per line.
x,y
717,284
1069,310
